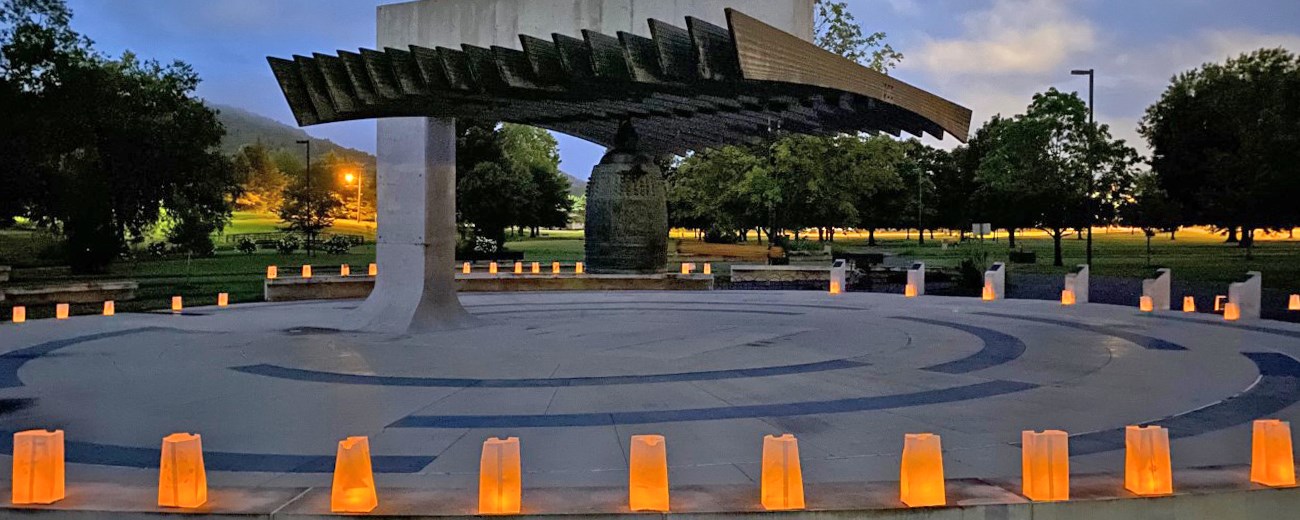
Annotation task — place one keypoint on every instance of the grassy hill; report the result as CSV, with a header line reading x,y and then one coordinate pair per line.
x,y
245,128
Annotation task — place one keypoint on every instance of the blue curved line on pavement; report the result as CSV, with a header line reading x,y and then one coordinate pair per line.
x,y
1141,340
78,452
1277,389
315,376
11,362
1234,325
857,404
999,348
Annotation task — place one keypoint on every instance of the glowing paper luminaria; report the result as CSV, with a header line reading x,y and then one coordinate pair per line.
x,y
272,272
537,268
1147,466
1271,462
38,476
178,304
519,268
110,308
835,287
988,294
647,483
345,270
499,485
19,314
182,481
579,268
1045,464
708,268
1218,302
555,268
1294,304
687,268
782,485
223,299
909,291
465,268
921,478
1068,298
1231,311
373,270
1189,304
492,268
306,271
61,311
354,482
1146,304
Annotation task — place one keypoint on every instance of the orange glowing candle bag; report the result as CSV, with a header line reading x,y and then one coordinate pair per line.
x,y
500,490
306,271
465,268
708,268
223,299
19,314
647,484
1146,304
272,272
1147,465
537,268
555,268
354,482
909,291
374,270
182,481
579,268
1189,304
1272,462
988,294
1294,304
519,268
38,476
1231,312
1068,297
492,268
178,304
1045,465
835,287
110,308
345,270
61,311
782,484
921,481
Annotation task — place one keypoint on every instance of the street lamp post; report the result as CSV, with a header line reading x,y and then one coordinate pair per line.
x,y
309,194
1092,174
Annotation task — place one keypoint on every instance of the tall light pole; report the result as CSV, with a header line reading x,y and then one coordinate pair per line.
x,y
1092,174
309,194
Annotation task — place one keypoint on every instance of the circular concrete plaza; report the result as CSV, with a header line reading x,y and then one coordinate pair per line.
x,y
273,387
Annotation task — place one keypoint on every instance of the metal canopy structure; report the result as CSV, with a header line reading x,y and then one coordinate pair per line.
x,y
682,89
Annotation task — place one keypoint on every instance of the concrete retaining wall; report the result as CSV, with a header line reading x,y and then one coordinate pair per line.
x,y
89,292
358,287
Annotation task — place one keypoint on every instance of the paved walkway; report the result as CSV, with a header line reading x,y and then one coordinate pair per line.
x,y
272,388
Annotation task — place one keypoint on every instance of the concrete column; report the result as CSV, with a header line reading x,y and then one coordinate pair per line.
x,y
1158,289
415,290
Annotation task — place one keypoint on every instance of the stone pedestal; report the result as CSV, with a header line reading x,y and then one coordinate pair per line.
x,y
627,213
1158,289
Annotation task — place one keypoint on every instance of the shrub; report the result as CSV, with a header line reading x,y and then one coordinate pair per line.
x,y
287,244
338,245
156,249
246,246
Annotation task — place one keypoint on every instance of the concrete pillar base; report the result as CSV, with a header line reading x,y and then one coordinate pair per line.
x,y
415,290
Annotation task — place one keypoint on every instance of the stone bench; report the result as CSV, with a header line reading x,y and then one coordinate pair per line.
x,y
83,292
358,287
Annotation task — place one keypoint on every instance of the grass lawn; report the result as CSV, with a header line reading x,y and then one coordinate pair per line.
x,y
1196,256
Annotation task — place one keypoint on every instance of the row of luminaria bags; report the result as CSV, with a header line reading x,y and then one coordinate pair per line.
x,y
38,470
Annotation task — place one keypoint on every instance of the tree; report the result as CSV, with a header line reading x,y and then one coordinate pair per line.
x,y
535,151
1225,142
98,149
310,207
1043,163
839,32
875,163
1149,209
262,180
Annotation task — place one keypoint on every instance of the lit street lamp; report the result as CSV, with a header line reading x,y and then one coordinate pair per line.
x,y
1092,175
350,178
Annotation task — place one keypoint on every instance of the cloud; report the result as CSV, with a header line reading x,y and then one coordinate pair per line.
x,y
1012,36
905,7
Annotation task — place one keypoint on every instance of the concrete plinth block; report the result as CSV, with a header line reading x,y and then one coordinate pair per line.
x,y
1078,282
1247,295
1158,289
839,277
